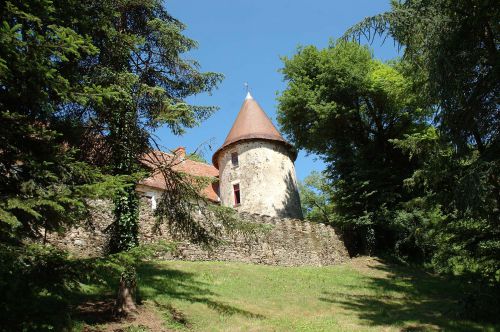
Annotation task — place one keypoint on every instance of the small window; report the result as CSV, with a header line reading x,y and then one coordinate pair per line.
x,y
153,203
152,198
234,158
237,197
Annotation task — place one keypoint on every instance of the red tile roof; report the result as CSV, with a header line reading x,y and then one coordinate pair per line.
x,y
180,164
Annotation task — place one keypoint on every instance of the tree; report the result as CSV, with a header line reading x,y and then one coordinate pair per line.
x,y
143,81
43,184
454,48
76,74
146,79
315,198
455,44
347,107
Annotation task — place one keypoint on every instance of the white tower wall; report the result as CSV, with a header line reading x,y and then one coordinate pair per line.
x,y
266,178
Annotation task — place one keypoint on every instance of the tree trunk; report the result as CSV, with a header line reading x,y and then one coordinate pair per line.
x,y
125,301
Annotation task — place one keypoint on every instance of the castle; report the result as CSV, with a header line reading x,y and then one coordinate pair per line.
x,y
253,172
253,169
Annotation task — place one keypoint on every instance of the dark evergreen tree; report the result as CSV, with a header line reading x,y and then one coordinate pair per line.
x,y
43,183
144,80
83,84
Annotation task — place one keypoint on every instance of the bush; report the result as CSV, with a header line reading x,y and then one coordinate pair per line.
x,y
34,283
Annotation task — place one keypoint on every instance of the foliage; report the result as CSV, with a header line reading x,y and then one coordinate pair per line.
x,y
437,199
43,182
315,198
465,237
40,284
196,157
455,44
35,281
454,49
108,72
125,229
143,81
82,86
347,107
189,213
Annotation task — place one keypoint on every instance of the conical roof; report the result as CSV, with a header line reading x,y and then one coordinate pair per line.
x,y
251,123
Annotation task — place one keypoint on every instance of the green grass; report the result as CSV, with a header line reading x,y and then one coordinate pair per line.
x,y
363,295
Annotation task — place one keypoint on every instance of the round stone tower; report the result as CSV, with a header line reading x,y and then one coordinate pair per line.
x,y
256,171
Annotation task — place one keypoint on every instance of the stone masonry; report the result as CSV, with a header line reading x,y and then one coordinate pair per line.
x,y
255,163
288,242
266,176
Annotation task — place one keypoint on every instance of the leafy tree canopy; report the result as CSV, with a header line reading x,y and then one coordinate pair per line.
x,y
315,198
453,48
347,107
455,45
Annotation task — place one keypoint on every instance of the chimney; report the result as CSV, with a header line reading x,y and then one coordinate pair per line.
x,y
180,152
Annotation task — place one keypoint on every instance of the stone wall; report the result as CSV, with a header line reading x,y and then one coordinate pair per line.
x,y
266,177
288,242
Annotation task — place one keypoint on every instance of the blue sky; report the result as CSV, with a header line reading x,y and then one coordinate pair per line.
x,y
244,40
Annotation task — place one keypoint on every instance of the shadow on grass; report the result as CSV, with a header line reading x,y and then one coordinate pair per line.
x,y
158,280
155,281
96,311
406,297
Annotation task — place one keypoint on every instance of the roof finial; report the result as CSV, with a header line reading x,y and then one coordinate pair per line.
x,y
249,96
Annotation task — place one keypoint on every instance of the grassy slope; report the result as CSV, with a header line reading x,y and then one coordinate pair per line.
x,y
362,295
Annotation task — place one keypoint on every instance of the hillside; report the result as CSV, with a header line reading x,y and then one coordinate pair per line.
x,y
365,294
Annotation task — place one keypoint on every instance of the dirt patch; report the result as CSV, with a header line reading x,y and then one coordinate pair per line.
x,y
99,317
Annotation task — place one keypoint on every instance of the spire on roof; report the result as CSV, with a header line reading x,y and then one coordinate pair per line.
x,y
251,123
249,96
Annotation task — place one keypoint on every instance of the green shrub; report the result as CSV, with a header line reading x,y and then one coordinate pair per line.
x,y
34,282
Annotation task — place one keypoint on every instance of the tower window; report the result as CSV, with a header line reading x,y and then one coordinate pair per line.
x,y
237,197
152,198
234,158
